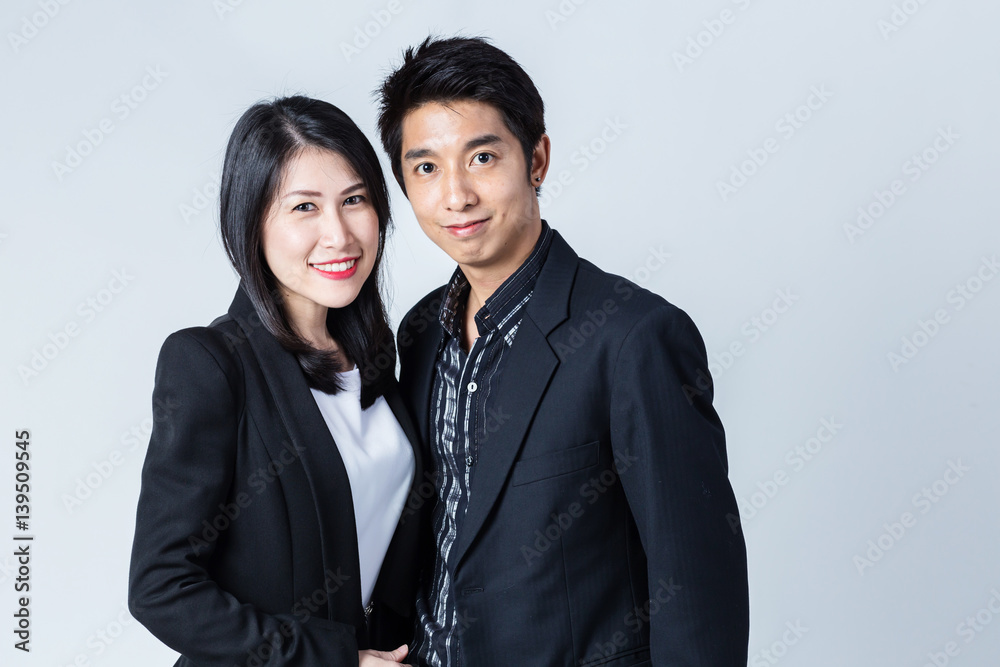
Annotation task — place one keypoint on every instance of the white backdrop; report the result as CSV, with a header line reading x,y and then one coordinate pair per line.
x,y
813,182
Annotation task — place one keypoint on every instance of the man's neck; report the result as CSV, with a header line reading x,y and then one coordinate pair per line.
x,y
483,282
479,291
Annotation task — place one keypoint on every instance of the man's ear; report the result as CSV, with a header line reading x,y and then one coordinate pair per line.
x,y
540,160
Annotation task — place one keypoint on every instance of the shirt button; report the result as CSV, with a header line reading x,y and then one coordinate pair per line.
x,y
469,461
472,387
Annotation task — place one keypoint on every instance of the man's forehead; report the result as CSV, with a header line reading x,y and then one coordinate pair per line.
x,y
441,124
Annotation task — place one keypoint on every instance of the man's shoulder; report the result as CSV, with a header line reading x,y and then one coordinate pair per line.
x,y
612,293
620,315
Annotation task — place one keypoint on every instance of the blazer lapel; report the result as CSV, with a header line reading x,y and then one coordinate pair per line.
x,y
398,408
327,484
396,585
525,377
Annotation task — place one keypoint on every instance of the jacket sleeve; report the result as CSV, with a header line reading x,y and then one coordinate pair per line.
x,y
186,477
663,423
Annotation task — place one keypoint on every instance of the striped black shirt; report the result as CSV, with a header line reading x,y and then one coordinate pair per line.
x,y
462,419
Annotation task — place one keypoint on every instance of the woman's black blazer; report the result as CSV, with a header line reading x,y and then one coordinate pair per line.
x,y
245,549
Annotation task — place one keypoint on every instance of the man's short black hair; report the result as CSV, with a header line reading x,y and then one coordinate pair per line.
x,y
459,69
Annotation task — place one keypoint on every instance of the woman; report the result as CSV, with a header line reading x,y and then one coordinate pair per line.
x,y
271,525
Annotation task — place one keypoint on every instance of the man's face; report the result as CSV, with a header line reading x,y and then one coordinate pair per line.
x,y
467,181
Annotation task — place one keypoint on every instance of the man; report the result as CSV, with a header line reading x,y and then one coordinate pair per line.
x,y
582,512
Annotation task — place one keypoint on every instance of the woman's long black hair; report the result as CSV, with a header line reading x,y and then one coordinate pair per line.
x,y
263,142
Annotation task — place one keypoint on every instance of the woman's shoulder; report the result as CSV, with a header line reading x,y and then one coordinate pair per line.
x,y
216,344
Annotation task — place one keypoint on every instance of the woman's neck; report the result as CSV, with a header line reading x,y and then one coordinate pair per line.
x,y
308,320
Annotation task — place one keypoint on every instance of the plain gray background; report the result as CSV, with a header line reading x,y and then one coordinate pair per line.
x,y
642,139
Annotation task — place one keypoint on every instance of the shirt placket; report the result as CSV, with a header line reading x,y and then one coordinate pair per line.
x,y
470,391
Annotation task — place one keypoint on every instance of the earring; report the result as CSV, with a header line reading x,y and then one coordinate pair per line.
x,y
538,178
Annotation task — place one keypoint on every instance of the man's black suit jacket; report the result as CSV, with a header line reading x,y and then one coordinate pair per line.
x,y
245,549
600,528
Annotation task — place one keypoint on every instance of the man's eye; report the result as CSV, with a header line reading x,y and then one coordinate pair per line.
x,y
305,206
483,158
425,168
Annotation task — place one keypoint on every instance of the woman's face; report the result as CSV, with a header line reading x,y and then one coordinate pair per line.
x,y
321,235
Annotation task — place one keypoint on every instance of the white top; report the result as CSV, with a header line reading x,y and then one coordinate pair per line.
x,y
379,462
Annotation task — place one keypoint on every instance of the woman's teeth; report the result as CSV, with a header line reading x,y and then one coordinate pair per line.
x,y
336,268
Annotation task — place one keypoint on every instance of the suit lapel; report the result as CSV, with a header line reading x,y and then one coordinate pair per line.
x,y
525,376
324,502
417,375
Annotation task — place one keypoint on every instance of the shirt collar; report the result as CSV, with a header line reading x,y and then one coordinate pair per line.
x,y
505,301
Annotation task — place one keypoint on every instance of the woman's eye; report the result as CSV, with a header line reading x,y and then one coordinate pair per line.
x,y
305,206
353,200
483,158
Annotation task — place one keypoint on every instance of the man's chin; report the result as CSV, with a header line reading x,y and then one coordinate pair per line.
x,y
464,251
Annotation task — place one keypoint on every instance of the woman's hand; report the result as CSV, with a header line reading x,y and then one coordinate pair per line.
x,y
377,658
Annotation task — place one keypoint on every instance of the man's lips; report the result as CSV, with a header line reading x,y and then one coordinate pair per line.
x,y
466,228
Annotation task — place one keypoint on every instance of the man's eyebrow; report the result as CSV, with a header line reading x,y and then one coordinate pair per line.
x,y
484,140
417,153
